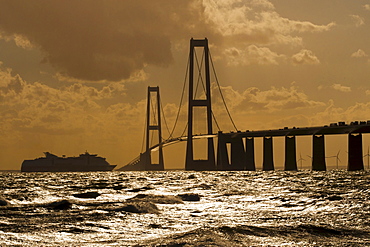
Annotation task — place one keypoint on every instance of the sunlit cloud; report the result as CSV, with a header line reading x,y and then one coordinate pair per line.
x,y
358,20
305,57
35,106
359,53
256,22
333,113
20,40
253,99
136,76
367,6
341,88
252,54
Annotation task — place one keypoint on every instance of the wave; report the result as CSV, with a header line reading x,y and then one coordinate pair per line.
x,y
303,234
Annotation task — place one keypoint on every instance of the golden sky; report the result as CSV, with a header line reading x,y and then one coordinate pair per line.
x,y
74,74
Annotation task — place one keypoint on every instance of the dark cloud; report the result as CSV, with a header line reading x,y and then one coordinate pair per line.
x,y
115,39
97,40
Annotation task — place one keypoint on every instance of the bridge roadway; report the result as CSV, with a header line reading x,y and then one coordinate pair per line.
x,y
333,129
241,155
236,160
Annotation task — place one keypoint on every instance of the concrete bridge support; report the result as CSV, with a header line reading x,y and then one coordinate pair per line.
x,y
223,162
238,157
268,158
250,163
318,153
290,154
142,164
355,157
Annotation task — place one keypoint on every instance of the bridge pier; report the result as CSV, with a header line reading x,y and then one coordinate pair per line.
x,y
250,163
318,153
223,162
268,158
238,157
290,154
355,157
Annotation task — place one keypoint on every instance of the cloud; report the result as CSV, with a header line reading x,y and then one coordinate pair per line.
x,y
19,40
254,108
341,88
252,54
256,22
367,6
38,107
305,57
349,114
114,40
254,99
359,53
358,20
95,40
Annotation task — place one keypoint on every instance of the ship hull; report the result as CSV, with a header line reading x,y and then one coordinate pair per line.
x,y
35,167
53,163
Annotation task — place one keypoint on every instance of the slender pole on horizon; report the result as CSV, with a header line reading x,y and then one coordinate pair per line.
x,y
301,159
337,159
368,158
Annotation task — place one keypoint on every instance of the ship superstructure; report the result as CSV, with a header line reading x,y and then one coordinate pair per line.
x,y
52,163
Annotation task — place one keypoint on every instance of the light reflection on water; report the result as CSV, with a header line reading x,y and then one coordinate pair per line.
x,y
236,208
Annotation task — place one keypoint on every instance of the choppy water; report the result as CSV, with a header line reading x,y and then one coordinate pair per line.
x,y
235,209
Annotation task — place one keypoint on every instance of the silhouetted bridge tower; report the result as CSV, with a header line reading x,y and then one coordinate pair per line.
x,y
194,102
236,150
153,126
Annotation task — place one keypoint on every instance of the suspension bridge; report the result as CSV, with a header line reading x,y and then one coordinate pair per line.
x,y
235,150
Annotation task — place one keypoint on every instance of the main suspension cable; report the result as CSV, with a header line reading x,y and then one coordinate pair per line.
x,y
182,97
204,88
222,96
165,123
142,143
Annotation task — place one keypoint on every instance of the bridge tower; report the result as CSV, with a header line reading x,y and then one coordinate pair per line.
x,y
153,124
193,102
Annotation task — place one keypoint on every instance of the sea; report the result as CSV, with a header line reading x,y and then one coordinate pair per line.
x,y
185,208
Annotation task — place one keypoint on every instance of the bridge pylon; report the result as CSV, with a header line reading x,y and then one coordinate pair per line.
x,y
153,124
193,102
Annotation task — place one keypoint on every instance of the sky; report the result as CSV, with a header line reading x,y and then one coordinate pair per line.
x,y
74,74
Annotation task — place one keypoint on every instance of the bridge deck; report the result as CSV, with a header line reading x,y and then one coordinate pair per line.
x,y
322,130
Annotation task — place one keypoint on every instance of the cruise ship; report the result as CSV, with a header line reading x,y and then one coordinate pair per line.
x,y
52,163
